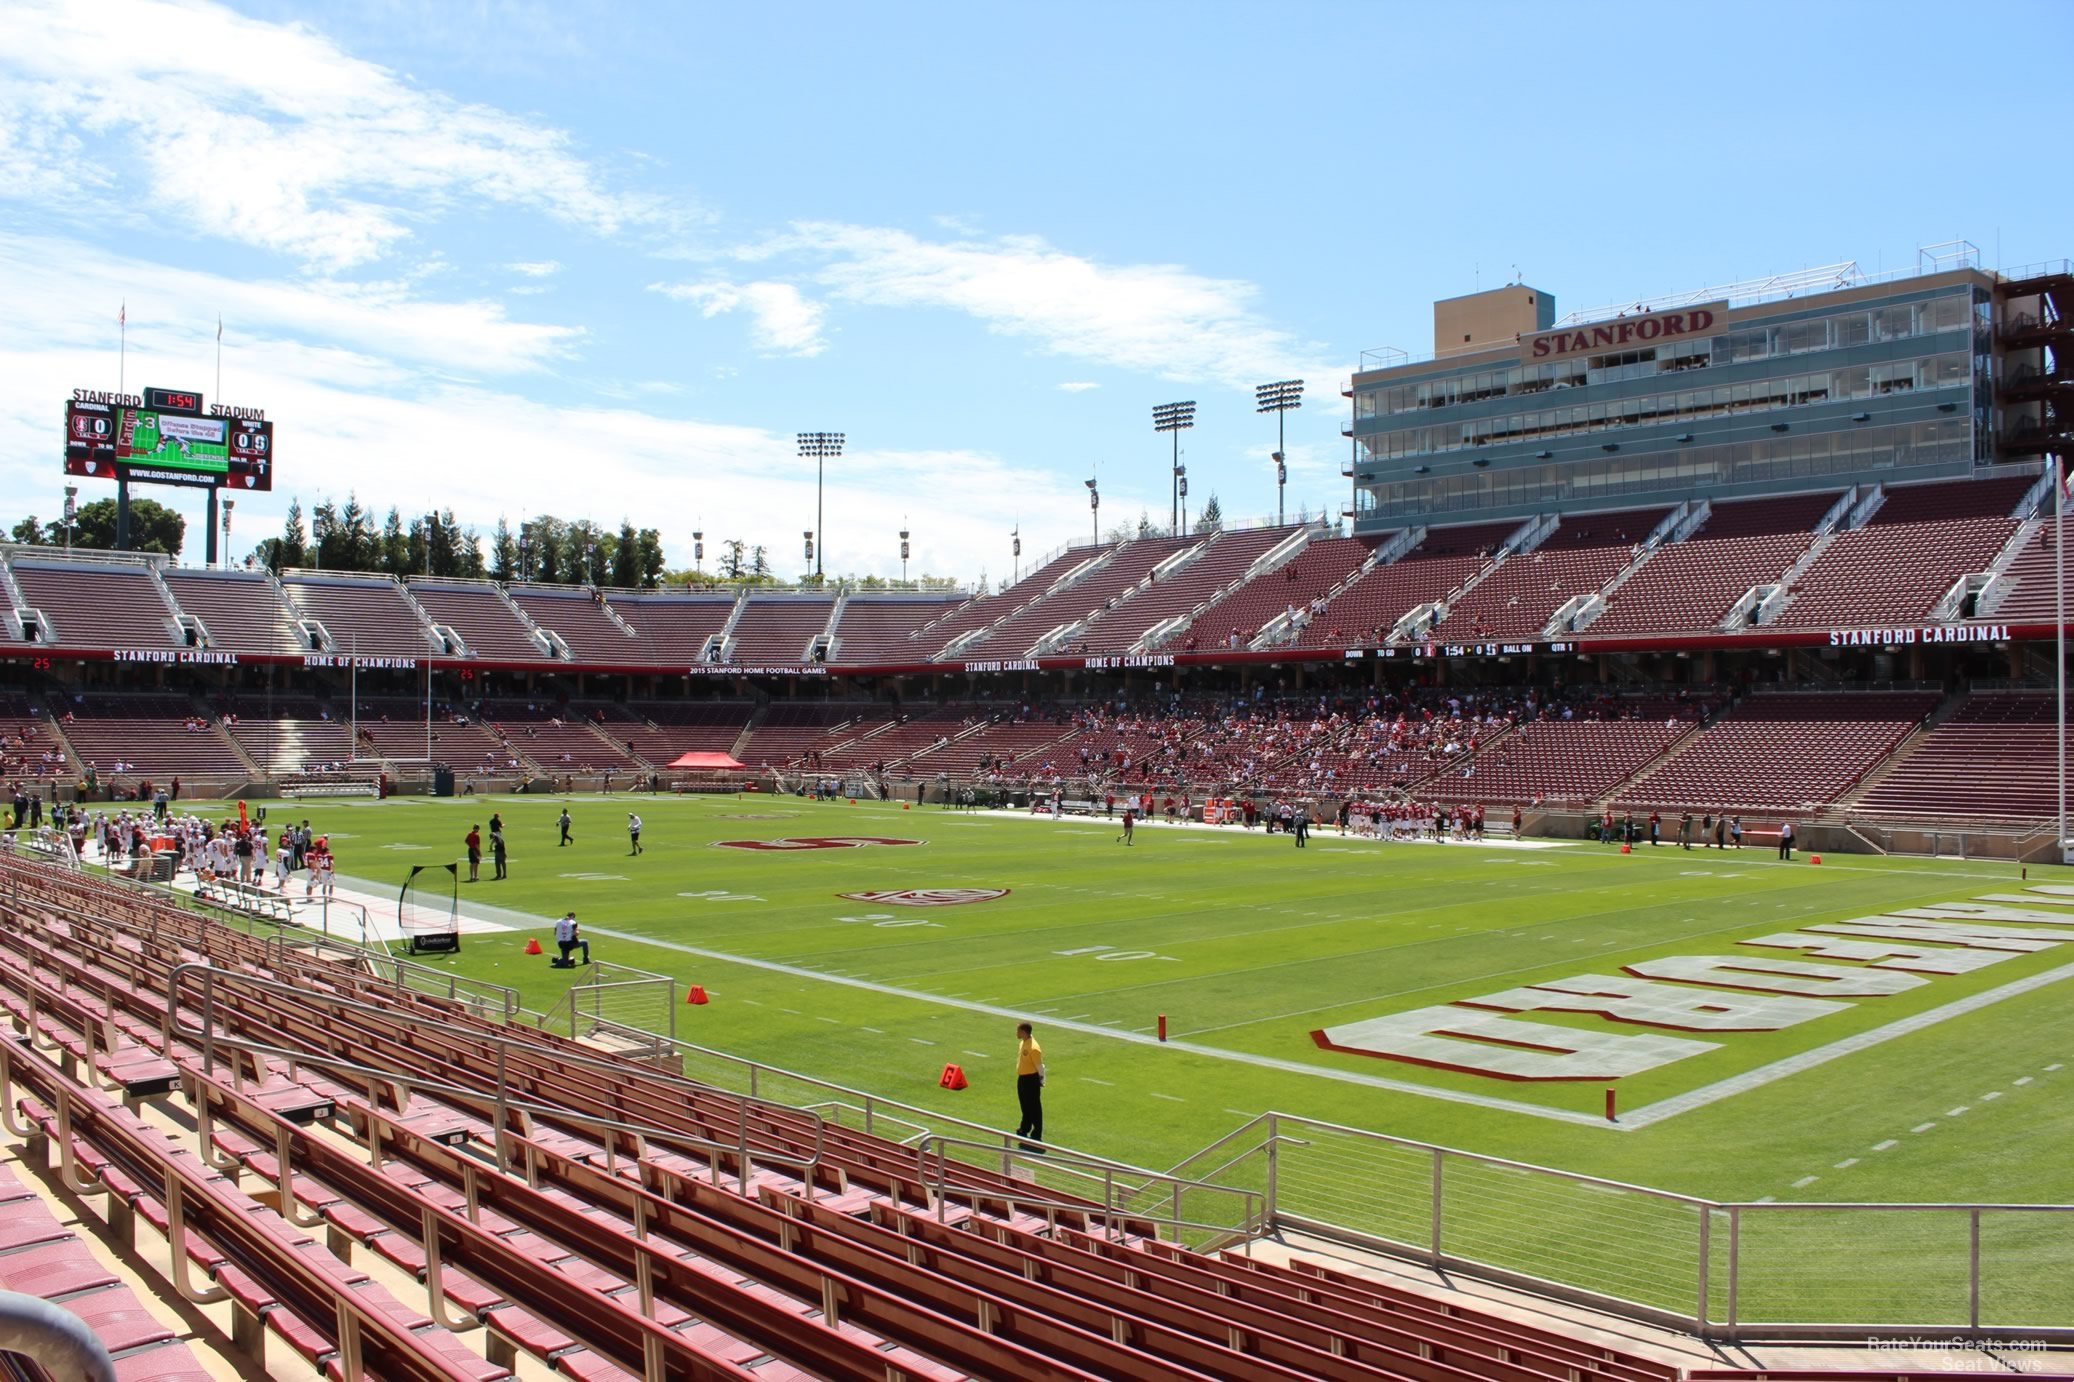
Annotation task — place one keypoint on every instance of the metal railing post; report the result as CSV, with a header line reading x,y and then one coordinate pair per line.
x,y
1735,1259
1269,1204
1699,1317
1973,1268
1438,1154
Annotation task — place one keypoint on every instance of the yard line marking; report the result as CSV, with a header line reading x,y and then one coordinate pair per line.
x,y
1991,1094
793,1011
1092,1080
2054,1066
1955,1112
1821,1055
1170,1098
1847,1163
1805,1181
752,1002
1275,1063
2022,1079
1922,1127
977,1055
1883,1146
921,1041
1241,1113
829,1020
873,1030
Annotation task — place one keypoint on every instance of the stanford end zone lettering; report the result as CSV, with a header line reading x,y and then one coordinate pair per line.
x,y
1627,331
1713,995
814,842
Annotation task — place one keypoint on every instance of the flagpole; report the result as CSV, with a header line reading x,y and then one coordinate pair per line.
x,y
219,357
2059,620
122,346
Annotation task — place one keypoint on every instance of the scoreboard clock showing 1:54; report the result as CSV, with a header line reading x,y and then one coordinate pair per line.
x,y
167,436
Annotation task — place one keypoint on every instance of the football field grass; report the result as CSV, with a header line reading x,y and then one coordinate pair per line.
x,y
1961,1087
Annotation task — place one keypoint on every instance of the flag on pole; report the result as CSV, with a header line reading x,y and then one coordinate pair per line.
x,y
122,318
219,327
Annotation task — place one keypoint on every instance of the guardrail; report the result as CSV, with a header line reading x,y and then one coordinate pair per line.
x,y
1728,1270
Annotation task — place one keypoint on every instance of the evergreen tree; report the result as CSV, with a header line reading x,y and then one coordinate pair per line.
x,y
396,551
293,546
626,557
731,559
504,555
1211,519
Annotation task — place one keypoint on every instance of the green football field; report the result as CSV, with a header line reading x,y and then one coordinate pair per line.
x,y
1961,1087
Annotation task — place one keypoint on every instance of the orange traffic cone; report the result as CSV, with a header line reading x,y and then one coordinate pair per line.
x,y
696,996
906,805
953,1077
533,945
1814,858
1627,849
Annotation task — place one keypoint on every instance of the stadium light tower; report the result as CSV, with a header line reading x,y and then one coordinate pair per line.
x,y
1181,493
821,446
71,512
1015,553
1175,418
1094,508
809,536
903,553
228,505
1278,398
698,551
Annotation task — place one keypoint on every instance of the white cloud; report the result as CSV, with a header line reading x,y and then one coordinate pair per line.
x,y
535,268
360,410
1078,386
1159,319
269,134
379,333
783,321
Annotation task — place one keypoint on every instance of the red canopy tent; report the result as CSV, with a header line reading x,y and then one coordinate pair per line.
x,y
710,762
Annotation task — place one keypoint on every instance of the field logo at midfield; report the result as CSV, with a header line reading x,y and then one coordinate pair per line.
x,y
1887,954
927,897
815,842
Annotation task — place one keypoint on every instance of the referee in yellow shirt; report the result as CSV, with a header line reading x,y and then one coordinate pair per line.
x,y
1029,1086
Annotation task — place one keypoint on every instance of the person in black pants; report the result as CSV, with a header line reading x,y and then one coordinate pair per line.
x,y
1785,839
1029,1087
1303,826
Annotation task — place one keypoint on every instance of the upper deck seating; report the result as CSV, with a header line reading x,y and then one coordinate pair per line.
x,y
478,612
1366,611
776,629
880,628
1324,562
365,616
1691,585
1519,598
580,619
978,613
241,610
1227,559
1919,541
95,606
673,626
1132,562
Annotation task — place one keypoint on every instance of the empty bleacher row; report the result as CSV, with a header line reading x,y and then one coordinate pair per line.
x,y
490,1198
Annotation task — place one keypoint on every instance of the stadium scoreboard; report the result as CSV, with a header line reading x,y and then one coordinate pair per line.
x,y
168,437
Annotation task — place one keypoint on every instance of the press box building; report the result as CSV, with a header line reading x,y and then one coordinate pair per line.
x,y
1817,380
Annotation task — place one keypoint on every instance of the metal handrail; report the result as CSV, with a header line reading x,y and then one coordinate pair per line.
x,y
501,1097
1111,1210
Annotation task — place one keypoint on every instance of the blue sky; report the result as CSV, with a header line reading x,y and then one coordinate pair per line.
x,y
604,260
